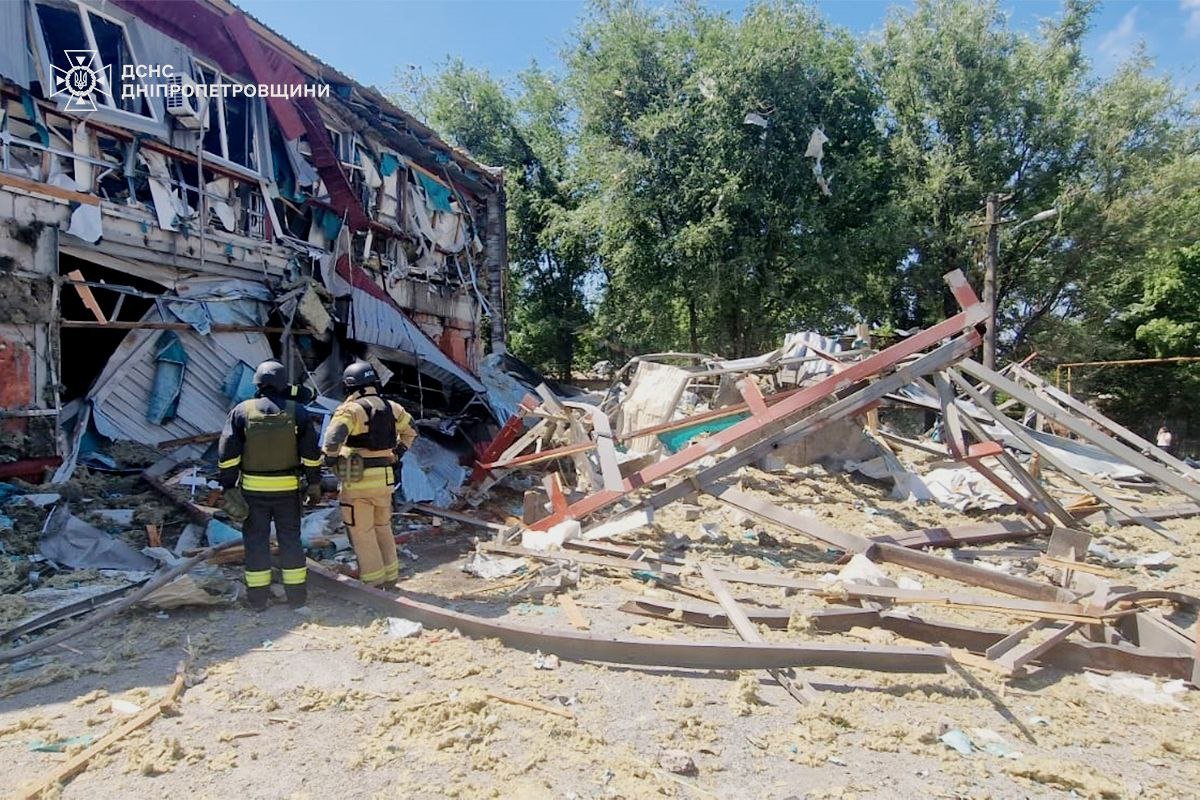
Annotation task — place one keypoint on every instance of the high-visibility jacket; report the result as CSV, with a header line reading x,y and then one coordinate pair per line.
x,y
371,427
266,443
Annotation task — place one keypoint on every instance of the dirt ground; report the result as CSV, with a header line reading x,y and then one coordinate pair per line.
x,y
289,706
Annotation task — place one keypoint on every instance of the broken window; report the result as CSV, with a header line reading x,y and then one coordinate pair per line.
x,y
230,133
112,45
67,28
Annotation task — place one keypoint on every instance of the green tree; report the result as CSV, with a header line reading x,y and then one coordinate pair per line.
x,y
971,107
713,232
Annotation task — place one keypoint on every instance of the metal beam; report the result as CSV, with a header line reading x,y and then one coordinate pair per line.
x,y
582,646
972,314
1082,430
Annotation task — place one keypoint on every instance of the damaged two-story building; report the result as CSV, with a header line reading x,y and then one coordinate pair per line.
x,y
184,193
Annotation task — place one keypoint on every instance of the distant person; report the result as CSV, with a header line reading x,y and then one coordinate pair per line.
x,y
1165,440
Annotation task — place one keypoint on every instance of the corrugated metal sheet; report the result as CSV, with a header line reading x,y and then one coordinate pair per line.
x,y
375,320
121,393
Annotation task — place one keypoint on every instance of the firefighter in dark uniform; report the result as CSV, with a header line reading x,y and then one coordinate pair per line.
x,y
267,442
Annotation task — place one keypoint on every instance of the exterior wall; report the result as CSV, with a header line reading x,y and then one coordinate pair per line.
x,y
58,165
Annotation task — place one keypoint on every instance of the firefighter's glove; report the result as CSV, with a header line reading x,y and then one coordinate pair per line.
x,y
313,494
235,504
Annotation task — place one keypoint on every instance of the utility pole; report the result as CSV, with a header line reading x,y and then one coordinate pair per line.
x,y
990,257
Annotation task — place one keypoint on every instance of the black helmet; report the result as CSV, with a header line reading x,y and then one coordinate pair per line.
x,y
271,375
359,375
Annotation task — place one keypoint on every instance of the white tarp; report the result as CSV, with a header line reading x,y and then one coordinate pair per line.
x,y
962,488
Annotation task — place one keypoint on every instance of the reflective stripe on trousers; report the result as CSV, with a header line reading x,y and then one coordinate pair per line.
x,y
257,578
291,577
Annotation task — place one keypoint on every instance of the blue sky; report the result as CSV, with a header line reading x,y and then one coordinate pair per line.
x,y
370,39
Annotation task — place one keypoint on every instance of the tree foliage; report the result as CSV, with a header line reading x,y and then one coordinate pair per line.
x,y
660,195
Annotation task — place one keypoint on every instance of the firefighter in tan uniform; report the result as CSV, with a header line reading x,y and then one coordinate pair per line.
x,y
364,440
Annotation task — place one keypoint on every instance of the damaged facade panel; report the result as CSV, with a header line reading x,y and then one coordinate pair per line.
x,y
197,231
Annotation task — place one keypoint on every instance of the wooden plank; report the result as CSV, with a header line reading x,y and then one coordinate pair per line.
x,y
913,444
710,615
752,395
955,439
582,558
980,533
1069,654
45,189
533,506
434,511
1012,640
554,490
85,294
969,573
606,451
574,615
1082,430
78,762
797,687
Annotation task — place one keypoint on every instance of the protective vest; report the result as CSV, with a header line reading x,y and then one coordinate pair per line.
x,y
271,440
381,425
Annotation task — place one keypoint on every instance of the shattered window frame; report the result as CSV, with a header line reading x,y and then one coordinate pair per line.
x,y
83,17
205,73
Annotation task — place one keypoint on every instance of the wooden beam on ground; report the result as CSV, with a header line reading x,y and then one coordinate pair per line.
x,y
574,615
1017,656
434,511
704,614
969,574
963,535
52,780
582,558
797,687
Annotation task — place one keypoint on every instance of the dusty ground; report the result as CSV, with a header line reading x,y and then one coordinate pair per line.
x,y
288,706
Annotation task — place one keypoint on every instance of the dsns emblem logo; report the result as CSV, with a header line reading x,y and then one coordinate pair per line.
x,y
82,80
